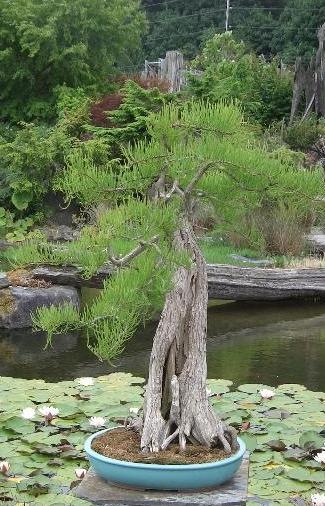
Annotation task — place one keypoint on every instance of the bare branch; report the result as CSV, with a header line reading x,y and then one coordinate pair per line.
x,y
197,128
202,170
174,189
121,262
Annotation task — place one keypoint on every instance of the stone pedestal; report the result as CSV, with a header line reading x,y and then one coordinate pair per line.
x,y
99,492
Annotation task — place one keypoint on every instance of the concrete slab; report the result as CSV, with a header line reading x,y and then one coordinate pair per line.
x,y
101,493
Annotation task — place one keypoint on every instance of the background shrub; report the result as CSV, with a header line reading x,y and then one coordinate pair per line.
x,y
230,72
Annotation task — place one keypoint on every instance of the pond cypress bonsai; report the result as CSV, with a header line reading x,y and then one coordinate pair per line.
x,y
144,232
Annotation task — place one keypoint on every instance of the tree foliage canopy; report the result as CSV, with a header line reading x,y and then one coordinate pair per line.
x,y
197,153
44,44
269,27
230,71
296,34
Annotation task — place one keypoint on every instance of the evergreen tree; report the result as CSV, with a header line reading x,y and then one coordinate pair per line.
x,y
298,27
185,24
199,153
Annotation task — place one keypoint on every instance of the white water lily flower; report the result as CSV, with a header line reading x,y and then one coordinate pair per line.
x,y
48,412
97,421
320,457
318,500
4,466
266,393
86,382
134,411
80,473
28,413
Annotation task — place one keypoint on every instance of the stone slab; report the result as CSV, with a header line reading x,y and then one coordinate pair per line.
x,y
17,304
4,281
99,492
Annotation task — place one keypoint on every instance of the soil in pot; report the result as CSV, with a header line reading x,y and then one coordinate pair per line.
x,y
122,444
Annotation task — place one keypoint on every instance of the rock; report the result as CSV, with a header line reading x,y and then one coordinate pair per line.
x,y
70,276
253,261
61,233
97,491
316,240
17,304
4,245
4,282
225,282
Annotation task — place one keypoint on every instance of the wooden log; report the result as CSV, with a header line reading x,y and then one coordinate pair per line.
x,y
247,283
225,281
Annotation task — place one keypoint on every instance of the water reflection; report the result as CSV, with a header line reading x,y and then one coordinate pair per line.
x,y
270,343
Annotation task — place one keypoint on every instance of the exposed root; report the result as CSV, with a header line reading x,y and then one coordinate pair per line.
x,y
201,427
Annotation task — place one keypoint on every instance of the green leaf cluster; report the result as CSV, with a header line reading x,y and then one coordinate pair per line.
x,y
128,123
28,161
282,434
230,72
48,44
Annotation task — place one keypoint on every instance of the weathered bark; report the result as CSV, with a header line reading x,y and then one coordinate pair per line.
x,y
176,402
309,82
224,281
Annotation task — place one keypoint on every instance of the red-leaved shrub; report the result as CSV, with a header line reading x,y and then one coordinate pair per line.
x,y
99,110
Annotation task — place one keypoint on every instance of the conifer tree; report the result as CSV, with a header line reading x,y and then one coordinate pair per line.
x,y
198,152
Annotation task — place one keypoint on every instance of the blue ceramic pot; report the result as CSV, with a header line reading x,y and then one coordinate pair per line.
x,y
164,477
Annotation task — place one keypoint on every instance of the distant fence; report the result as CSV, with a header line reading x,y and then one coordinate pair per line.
x,y
170,69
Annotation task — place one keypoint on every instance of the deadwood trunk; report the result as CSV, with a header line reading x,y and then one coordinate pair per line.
x,y
176,401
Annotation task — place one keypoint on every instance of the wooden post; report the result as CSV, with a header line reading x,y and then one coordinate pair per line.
x,y
227,15
172,70
309,82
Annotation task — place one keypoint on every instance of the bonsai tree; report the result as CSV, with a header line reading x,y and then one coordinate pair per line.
x,y
144,233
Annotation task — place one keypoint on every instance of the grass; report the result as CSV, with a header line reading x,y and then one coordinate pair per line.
x,y
307,263
222,254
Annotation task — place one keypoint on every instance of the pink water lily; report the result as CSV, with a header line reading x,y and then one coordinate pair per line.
x,y
80,473
4,466
28,413
266,393
48,412
97,421
318,500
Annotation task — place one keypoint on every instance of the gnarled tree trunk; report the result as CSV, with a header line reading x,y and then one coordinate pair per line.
x,y
176,401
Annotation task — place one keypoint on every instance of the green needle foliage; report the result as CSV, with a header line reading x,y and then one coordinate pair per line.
x,y
198,153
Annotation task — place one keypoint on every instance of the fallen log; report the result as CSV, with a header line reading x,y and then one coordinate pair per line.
x,y
225,281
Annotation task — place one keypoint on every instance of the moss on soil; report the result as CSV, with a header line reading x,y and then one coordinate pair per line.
x,y
122,444
7,302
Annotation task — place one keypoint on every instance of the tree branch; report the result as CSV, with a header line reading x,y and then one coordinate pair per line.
x,y
202,170
121,262
197,128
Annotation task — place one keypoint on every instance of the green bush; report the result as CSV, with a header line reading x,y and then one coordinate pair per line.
x,y
45,44
230,72
303,134
27,164
129,120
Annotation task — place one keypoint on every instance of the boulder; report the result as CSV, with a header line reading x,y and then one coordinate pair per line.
x,y
4,281
316,241
18,303
60,233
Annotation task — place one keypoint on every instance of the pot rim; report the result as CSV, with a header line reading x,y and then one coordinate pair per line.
x,y
141,465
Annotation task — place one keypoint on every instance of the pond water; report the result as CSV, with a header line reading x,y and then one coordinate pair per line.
x,y
247,343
